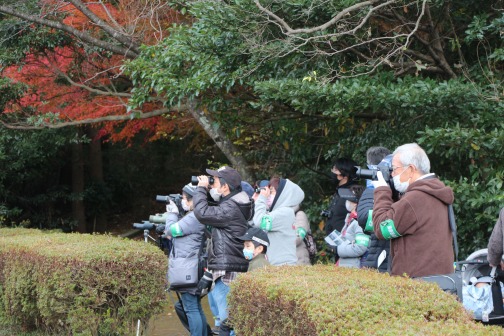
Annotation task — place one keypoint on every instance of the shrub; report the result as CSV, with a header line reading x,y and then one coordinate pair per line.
x,y
328,300
79,284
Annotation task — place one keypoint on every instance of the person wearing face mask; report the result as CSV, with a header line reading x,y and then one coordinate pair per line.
x,y
274,213
229,220
343,173
255,245
417,224
188,239
355,242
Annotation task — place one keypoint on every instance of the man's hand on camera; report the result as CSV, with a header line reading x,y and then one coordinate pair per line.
x,y
203,181
380,182
172,208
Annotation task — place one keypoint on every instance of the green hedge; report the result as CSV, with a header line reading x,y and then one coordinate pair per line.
x,y
79,284
328,300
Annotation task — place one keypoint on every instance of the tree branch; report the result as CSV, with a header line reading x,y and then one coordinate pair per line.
x,y
75,32
90,89
116,35
122,117
334,20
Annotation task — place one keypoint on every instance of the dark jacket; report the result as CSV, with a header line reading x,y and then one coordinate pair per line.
x,y
338,211
376,246
229,220
420,217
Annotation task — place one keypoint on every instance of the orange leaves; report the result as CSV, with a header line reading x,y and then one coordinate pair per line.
x,y
77,19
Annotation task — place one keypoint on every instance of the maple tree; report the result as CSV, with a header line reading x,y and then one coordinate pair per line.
x,y
76,84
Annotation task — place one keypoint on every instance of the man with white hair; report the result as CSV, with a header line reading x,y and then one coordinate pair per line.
x,y
417,224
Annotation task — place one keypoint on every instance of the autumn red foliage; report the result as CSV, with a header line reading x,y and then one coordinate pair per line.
x,y
69,82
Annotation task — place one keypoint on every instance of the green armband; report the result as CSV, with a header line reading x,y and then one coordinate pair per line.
x,y
369,222
301,232
266,223
362,239
175,230
388,229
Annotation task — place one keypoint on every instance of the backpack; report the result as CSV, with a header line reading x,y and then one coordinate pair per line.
x,y
311,246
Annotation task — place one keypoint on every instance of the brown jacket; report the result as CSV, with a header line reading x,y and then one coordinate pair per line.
x,y
421,218
496,242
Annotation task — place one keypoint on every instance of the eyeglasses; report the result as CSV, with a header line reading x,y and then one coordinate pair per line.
x,y
394,168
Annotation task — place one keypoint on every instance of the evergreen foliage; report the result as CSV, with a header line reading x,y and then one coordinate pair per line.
x,y
303,300
78,284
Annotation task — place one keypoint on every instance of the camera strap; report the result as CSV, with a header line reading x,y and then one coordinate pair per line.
x,y
453,227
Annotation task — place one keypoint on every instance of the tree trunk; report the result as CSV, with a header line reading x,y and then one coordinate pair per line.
x,y
223,142
78,211
96,171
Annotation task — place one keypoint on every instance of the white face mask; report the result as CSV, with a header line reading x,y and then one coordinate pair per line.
x,y
185,206
215,194
349,206
400,186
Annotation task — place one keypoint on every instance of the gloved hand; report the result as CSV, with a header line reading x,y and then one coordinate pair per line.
x,y
380,182
172,207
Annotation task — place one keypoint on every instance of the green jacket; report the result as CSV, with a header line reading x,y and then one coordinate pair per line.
x,y
257,262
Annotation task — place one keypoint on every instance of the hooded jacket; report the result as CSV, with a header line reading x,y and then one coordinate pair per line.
x,y
229,220
282,236
420,217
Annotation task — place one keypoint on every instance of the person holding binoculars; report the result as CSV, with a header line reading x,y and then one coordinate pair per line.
x,y
228,217
188,237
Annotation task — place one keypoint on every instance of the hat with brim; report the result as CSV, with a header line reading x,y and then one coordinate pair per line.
x,y
348,195
257,235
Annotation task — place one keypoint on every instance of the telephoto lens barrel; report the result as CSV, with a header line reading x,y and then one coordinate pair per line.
x,y
159,218
162,199
366,173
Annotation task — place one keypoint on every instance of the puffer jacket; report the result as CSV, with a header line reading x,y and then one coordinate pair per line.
x,y
349,252
376,246
189,244
229,220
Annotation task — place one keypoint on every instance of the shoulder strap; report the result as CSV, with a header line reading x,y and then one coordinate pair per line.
x,y
453,226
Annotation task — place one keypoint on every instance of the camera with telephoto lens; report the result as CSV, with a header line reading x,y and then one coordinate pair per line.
x,y
194,180
372,174
175,198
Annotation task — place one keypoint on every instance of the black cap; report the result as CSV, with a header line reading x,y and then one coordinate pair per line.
x,y
257,235
348,195
229,174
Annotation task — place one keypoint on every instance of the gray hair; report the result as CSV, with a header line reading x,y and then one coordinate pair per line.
x,y
413,154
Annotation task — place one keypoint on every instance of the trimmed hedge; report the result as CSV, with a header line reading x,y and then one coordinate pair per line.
x,y
79,284
328,300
